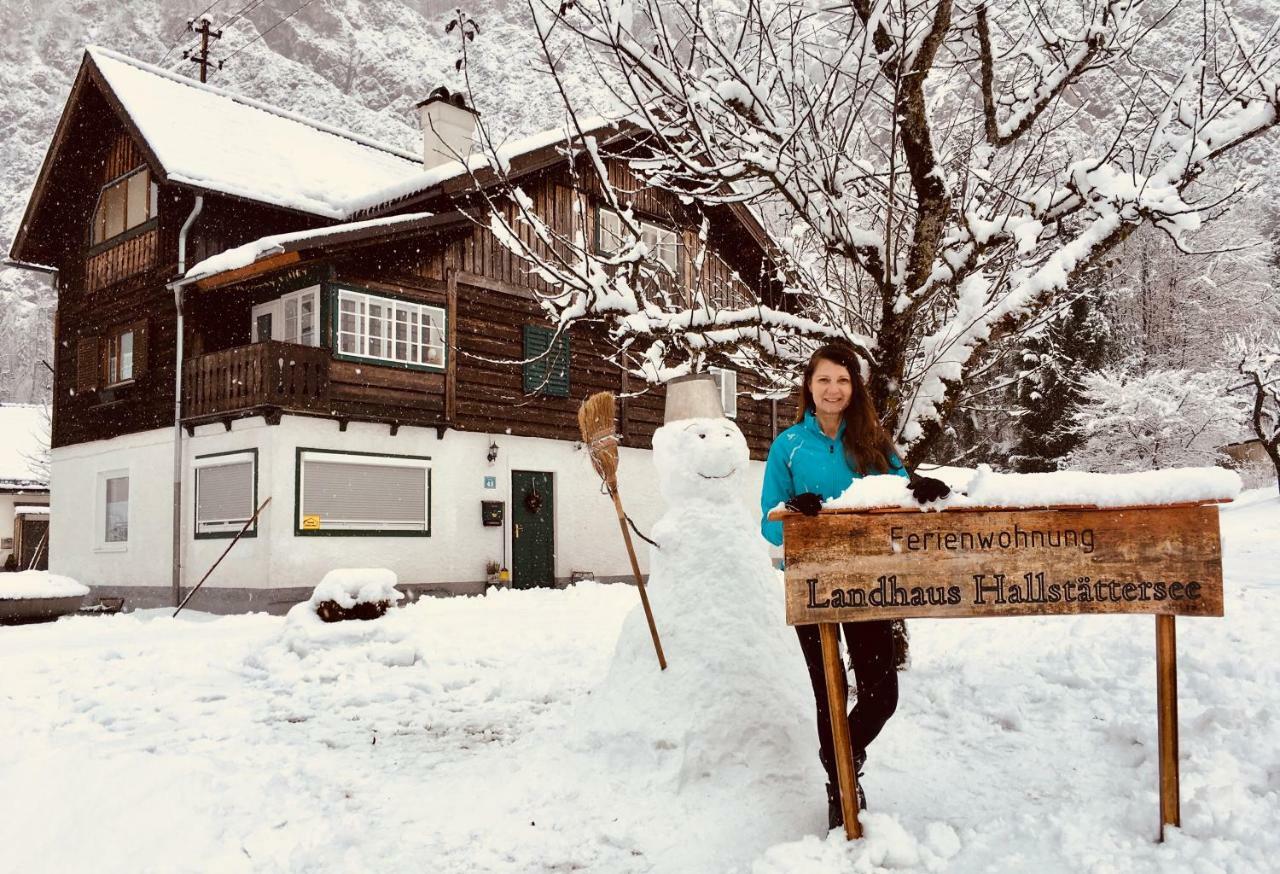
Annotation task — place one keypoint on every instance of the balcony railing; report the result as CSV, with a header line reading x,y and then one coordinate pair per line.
x,y
269,376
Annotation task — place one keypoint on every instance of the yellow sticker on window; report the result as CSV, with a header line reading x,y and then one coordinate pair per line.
x,y
310,523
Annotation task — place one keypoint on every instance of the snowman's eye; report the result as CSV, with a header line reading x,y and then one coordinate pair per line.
x,y
702,436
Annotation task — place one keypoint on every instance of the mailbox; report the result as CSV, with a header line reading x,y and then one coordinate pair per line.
x,y
491,513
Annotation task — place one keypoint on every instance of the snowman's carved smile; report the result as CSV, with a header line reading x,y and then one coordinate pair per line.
x,y
731,472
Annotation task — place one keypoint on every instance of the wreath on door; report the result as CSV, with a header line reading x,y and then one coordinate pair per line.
x,y
533,501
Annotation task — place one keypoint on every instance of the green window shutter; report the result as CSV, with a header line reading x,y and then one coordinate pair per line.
x,y
545,372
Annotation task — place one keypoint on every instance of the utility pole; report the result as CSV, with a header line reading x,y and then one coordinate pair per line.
x,y
202,57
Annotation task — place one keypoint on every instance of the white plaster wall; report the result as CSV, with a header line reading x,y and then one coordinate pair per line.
x,y
74,520
586,529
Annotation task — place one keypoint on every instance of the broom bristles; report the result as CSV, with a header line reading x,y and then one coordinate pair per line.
x,y
596,422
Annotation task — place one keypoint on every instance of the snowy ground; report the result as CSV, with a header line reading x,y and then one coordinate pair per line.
x,y
447,737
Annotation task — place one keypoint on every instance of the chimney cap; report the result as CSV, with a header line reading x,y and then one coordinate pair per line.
x,y
453,98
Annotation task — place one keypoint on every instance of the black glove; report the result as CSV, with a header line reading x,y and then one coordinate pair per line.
x,y
925,488
809,503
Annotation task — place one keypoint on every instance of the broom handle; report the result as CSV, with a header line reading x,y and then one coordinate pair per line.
x,y
635,569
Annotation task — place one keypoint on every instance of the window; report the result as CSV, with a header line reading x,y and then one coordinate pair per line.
x,y
120,356
291,318
363,493
390,330
226,494
546,370
113,511
664,243
727,382
123,205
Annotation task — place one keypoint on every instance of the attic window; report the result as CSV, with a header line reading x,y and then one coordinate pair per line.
x,y
661,242
124,204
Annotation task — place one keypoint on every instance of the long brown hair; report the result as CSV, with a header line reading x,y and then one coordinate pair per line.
x,y
866,445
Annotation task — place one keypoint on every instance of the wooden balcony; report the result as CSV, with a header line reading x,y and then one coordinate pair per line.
x,y
271,378
267,378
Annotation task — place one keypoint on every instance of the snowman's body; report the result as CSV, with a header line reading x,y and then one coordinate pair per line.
x,y
734,704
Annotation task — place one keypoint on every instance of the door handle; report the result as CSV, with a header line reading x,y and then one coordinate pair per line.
x,y
515,531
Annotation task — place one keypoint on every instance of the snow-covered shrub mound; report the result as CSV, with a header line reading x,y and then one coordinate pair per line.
x,y
39,584
732,709
354,593
312,648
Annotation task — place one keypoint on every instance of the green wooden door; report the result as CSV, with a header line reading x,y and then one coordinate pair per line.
x,y
533,547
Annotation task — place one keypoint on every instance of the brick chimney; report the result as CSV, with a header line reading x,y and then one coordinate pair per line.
x,y
448,127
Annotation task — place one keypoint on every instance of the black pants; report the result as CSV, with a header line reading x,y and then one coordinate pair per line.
x,y
870,646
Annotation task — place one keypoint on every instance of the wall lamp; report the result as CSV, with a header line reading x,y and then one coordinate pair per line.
x,y
493,452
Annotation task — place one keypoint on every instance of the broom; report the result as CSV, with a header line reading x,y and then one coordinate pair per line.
x,y
595,421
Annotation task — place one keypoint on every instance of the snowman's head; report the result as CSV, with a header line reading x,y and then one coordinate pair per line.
x,y
700,459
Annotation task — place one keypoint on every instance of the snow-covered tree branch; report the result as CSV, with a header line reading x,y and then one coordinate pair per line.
x,y
1256,357
942,172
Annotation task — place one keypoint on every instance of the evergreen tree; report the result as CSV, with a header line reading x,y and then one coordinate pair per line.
x,y
1049,391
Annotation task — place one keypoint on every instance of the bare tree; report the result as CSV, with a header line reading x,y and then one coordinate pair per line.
x,y
1256,357
944,171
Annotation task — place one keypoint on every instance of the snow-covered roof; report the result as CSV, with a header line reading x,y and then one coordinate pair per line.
x,y
220,141
255,250
24,435
31,510
506,153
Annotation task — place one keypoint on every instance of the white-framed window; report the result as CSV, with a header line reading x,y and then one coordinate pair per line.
x,y
112,512
662,242
727,382
226,486
290,318
388,329
363,493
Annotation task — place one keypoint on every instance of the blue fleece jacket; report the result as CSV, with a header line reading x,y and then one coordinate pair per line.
x,y
803,459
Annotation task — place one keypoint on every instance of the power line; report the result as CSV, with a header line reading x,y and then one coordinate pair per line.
x,y
269,29
248,7
180,37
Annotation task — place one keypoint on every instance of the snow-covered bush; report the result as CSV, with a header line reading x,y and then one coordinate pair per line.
x,y
354,593
1164,418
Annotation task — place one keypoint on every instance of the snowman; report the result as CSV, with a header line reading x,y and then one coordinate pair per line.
x,y
730,713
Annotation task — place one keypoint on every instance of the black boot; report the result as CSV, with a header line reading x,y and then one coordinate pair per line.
x,y
835,813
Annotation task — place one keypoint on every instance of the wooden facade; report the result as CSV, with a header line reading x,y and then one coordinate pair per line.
x,y
487,293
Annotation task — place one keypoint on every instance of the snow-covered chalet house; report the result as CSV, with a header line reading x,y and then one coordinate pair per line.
x,y
335,321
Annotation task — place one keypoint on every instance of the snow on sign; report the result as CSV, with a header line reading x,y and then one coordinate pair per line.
x,y
845,566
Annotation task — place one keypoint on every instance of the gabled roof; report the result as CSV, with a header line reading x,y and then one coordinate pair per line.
x,y
219,141
213,140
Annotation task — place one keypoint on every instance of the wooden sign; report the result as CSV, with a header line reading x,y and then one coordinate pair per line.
x,y
851,566
846,566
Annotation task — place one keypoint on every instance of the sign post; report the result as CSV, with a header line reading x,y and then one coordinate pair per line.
x,y
898,563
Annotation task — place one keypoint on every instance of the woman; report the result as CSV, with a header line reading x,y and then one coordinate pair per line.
x,y
837,439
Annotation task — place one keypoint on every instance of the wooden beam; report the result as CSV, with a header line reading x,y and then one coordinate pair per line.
x,y
475,279
1167,714
451,344
838,708
249,271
